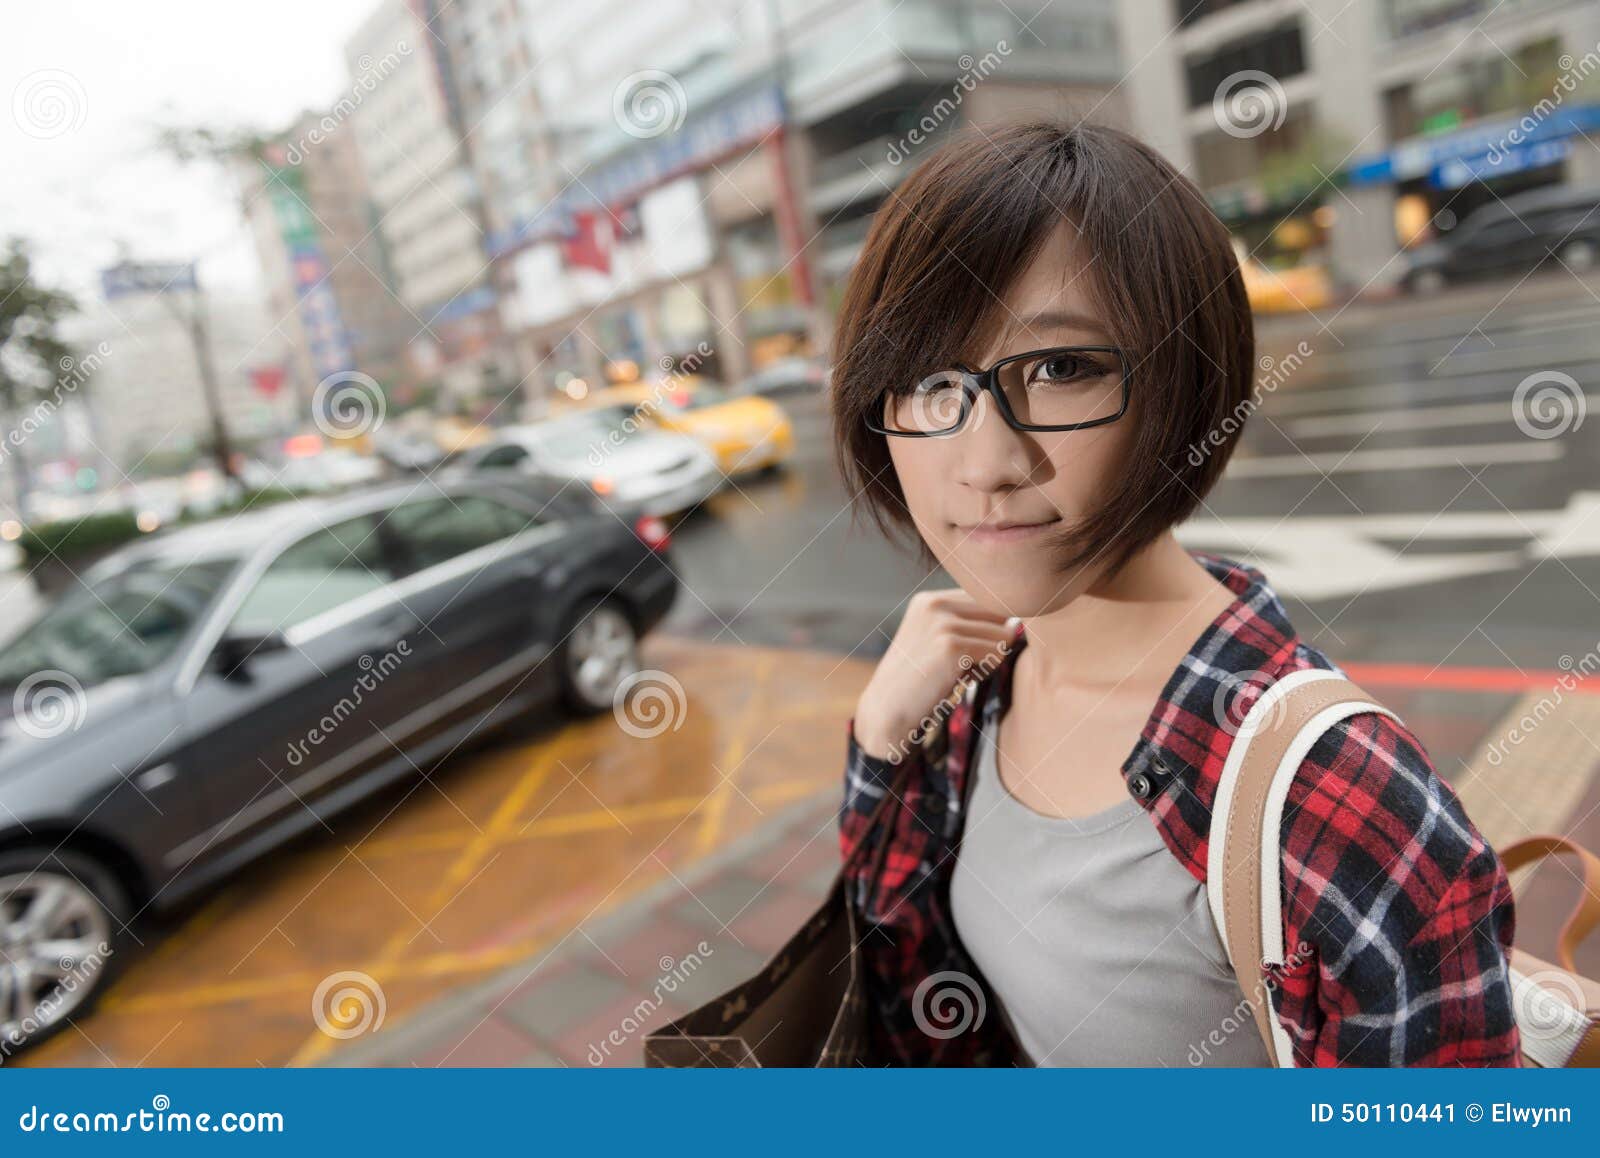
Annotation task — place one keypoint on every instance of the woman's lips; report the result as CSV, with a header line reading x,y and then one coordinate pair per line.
x,y
1002,532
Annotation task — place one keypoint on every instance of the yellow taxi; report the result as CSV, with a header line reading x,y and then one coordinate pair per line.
x,y
1272,291
744,432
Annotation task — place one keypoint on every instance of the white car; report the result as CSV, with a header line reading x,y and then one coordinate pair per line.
x,y
622,460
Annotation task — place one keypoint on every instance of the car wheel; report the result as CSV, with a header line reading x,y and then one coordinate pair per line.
x,y
61,926
1579,255
598,654
1427,281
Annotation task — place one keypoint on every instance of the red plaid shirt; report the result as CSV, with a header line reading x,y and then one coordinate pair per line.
x,y
1401,910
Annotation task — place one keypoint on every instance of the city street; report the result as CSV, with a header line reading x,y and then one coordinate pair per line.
x,y
1434,522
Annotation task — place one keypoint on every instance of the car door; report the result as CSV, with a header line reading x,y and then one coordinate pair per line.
x,y
318,688
471,564
1499,245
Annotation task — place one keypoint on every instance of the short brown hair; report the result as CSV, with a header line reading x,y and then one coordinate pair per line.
x,y
1163,272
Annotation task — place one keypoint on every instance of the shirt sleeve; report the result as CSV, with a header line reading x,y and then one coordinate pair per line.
x,y
1401,910
866,779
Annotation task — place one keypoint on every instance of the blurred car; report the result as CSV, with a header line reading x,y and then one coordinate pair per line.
x,y
1300,287
408,449
786,375
630,464
1510,236
212,692
746,434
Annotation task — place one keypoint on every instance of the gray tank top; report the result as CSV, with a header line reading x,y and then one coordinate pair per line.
x,y
1099,946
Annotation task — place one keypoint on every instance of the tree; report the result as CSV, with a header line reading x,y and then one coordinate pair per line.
x,y
32,356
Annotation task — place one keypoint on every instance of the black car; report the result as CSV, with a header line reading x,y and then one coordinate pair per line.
x,y
1510,236
207,694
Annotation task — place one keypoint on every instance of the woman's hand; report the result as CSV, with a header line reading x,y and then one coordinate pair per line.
x,y
944,640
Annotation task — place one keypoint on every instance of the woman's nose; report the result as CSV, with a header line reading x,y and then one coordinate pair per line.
x,y
989,454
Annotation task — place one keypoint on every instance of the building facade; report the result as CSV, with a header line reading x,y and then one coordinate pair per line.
x,y
686,185
1340,135
409,133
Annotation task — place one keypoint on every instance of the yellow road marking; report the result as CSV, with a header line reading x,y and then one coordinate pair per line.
x,y
442,964
458,874
719,798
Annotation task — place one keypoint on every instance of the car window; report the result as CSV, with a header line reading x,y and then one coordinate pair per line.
x,y
434,531
1501,232
322,571
503,456
122,624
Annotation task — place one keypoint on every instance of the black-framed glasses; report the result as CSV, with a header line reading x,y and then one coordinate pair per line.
x,y
1057,388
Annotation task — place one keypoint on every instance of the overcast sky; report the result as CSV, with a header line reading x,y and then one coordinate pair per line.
x,y
86,86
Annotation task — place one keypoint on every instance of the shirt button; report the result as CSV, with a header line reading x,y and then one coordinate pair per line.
x,y
1140,785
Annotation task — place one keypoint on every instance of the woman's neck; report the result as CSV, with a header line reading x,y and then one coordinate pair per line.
x,y
1128,625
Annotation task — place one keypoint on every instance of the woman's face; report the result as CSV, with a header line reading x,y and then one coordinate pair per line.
x,y
990,500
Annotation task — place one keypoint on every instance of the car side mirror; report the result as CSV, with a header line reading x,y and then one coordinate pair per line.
x,y
235,649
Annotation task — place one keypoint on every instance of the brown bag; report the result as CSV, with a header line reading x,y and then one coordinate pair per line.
x,y
1557,1011
806,1007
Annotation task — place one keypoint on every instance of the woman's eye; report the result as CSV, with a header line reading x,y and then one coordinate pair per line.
x,y
1061,369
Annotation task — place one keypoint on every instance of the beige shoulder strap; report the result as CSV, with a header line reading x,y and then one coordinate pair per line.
x,y
1243,884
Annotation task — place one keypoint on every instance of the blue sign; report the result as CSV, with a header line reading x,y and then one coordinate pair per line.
x,y
142,278
1455,174
1423,156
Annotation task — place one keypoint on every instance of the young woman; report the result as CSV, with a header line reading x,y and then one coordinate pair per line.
x,y
1044,356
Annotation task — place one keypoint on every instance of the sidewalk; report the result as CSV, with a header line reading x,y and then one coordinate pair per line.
x,y
665,952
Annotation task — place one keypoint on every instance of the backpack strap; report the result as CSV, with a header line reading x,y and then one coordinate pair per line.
x,y
1243,882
